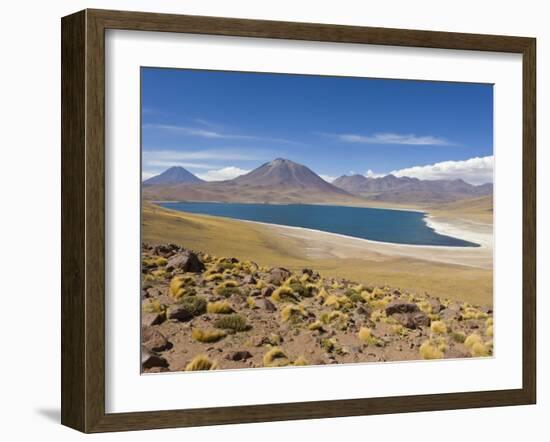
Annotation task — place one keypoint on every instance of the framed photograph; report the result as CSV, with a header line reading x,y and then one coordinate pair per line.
x,y
269,220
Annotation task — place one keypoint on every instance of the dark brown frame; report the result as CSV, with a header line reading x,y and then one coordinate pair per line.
x,y
83,216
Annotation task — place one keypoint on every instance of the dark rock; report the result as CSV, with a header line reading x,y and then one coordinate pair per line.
x,y
267,291
249,279
255,293
187,308
413,320
278,275
436,306
449,314
179,313
363,311
164,250
266,304
186,262
154,340
150,359
401,307
153,292
242,355
148,319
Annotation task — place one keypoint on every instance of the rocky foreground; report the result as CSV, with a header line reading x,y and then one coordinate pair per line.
x,y
201,312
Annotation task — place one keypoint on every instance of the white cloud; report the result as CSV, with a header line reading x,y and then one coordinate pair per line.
x,y
225,173
393,138
212,133
185,164
370,174
208,154
196,131
328,178
478,170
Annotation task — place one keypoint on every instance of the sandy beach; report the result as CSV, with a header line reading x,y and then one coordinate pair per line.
x,y
324,245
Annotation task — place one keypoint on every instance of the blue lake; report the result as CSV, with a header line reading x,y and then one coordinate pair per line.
x,y
392,226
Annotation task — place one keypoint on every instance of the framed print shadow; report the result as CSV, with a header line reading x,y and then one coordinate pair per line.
x,y
266,221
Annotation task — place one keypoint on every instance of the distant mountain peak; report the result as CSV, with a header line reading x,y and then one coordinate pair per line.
x,y
171,176
284,173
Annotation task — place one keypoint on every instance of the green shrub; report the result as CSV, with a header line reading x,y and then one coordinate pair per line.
x,y
227,291
458,336
232,322
355,297
196,305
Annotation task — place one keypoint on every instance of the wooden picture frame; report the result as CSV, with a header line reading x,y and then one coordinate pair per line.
x,y
83,219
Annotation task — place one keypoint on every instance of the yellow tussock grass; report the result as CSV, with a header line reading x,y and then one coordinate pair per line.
x,y
292,313
221,307
275,357
207,335
300,361
180,286
430,351
201,362
283,294
438,327
317,325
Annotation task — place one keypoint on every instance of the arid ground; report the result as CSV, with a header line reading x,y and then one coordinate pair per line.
x,y
221,293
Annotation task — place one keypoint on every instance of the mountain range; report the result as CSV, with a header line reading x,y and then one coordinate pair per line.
x,y
284,181
406,189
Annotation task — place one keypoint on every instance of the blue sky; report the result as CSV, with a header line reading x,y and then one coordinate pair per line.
x,y
221,124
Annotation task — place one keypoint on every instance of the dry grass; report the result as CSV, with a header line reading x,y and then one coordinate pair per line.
x,y
275,357
219,307
366,336
300,361
316,325
438,327
477,348
207,335
336,319
152,306
338,302
250,302
284,294
201,362
292,313
428,350
181,286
